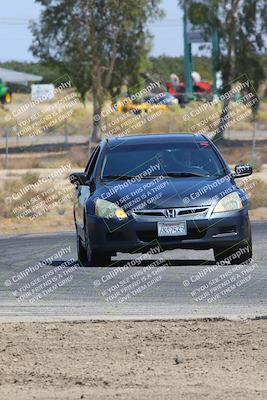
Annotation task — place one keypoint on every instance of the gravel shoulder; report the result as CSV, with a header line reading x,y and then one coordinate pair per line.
x,y
197,359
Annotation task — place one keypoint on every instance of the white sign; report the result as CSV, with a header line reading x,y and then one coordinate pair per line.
x,y
196,36
42,92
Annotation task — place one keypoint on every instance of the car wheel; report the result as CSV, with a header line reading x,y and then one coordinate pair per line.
x,y
95,258
81,253
239,254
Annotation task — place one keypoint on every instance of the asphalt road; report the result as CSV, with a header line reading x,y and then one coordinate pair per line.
x,y
40,280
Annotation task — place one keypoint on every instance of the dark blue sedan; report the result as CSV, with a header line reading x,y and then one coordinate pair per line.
x,y
175,190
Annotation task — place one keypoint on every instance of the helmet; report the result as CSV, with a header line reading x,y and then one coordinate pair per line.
x,y
196,77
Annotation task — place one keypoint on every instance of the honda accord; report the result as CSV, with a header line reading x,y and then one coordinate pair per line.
x,y
173,189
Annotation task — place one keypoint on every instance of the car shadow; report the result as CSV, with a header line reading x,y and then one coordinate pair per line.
x,y
130,263
168,262
63,263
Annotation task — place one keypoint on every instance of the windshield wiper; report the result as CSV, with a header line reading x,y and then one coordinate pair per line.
x,y
182,174
168,174
114,177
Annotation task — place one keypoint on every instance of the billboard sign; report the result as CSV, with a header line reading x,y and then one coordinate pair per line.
x,y
42,92
197,13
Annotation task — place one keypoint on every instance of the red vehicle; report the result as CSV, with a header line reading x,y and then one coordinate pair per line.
x,y
202,90
178,92
202,87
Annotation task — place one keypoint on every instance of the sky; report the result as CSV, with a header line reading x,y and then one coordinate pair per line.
x,y
15,37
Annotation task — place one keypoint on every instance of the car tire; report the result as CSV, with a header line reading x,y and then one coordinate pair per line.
x,y
88,258
230,255
81,253
95,258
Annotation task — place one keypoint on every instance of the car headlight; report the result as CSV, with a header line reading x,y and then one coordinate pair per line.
x,y
230,202
107,209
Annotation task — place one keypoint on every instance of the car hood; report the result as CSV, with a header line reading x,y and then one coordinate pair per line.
x,y
166,192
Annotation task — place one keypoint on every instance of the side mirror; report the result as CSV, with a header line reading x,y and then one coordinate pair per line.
x,y
78,178
242,170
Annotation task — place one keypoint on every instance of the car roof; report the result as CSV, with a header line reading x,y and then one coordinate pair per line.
x,y
155,138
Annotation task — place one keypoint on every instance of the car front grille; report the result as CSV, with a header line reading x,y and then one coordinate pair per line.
x,y
171,213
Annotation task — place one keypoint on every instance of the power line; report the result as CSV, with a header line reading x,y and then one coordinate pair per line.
x,y
166,22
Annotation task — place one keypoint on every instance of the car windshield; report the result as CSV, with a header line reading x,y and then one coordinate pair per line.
x,y
174,159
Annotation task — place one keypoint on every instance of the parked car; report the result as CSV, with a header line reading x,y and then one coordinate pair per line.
x,y
164,98
175,189
126,104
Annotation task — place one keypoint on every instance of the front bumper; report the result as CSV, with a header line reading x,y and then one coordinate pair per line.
x,y
130,235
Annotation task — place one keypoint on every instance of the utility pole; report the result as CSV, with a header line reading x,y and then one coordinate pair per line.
x,y
6,157
187,56
253,151
66,131
195,33
215,55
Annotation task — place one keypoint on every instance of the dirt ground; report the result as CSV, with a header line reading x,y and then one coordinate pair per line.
x,y
134,360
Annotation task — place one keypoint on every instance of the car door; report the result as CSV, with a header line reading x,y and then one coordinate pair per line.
x,y
83,193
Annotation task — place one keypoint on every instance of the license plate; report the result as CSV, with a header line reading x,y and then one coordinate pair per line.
x,y
172,229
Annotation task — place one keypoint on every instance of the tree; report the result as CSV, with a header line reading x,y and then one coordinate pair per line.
x,y
163,66
100,43
241,26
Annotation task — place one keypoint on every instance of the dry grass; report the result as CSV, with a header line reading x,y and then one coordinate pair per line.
x,y
78,156
20,201
21,163
12,187
257,194
258,214
242,154
172,120
54,222
57,216
193,118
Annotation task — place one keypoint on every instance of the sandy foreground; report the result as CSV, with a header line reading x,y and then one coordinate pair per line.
x,y
134,360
